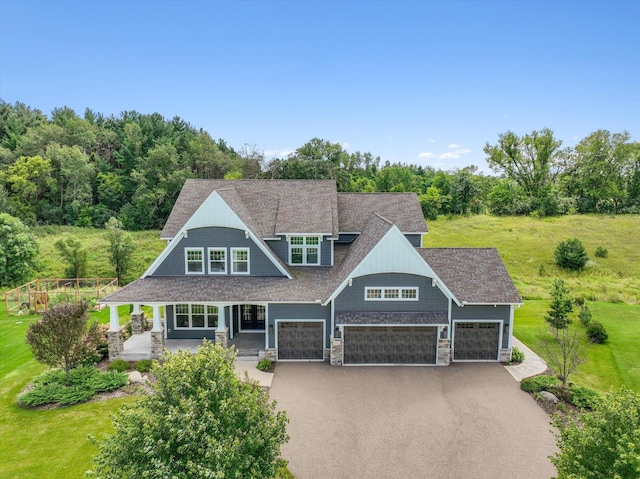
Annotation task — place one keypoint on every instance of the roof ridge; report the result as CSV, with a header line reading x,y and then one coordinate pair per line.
x,y
375,213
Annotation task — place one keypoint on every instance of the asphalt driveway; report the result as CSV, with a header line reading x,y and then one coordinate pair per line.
x,y
463,421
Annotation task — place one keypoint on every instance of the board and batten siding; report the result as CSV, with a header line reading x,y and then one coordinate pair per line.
x,y
298,311
500,312
217,237
430,298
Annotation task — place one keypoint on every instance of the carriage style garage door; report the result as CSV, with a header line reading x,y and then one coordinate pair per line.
x,y
390,345
301,340
476,341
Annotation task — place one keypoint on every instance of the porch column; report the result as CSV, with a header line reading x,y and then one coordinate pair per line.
x,y
222,332
157,334
137,319
114,334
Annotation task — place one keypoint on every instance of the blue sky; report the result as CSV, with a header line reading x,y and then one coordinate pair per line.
x,y
417,82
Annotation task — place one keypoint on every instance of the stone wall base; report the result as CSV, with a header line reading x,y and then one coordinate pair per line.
x,y
327,354
505,355
116,344
271,353
444,352
137,323
336,355
157,343
222,337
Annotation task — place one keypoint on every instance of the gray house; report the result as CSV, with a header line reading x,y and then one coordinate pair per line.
x,y
319,275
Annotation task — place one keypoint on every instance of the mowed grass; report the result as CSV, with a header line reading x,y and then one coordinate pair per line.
x,y
527,244
615,363
42,443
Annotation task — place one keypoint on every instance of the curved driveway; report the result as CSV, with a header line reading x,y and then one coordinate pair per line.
x,y
467,420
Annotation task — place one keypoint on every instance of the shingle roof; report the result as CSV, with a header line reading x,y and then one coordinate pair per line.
x,y
404,209
395,317
266,206
473,275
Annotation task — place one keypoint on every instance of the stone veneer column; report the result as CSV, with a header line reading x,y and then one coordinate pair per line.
x,y
444,352
137,323
222,337
116,345
336,351
157,334
271,353
505,355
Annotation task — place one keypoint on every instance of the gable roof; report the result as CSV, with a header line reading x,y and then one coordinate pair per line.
x,y
474,275
267,207
354,210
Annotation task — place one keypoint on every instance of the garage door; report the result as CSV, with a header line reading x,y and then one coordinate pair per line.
x,y
476,341
390,345
300,340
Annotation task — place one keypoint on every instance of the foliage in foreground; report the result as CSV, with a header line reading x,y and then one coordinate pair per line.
x,y
200,421
85,382
604,443
18,251
63,337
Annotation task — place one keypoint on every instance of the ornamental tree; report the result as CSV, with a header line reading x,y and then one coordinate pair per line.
x,y
63,336
198,421
603,443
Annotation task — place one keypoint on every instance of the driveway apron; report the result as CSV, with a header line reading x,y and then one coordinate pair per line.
x,y
468,420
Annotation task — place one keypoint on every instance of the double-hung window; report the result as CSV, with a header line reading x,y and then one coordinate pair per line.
x,y
194,260
304,250
217,260
390,294
198,316
240,260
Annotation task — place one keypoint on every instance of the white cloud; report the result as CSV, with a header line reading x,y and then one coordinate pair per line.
x,y
345,145
453,145
426,154
463,151
449,155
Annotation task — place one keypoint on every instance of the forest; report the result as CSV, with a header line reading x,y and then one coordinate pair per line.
x,y
67,169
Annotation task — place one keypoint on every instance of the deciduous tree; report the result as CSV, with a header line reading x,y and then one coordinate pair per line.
x,y
199,421
63,337
121,247
74,255
18,251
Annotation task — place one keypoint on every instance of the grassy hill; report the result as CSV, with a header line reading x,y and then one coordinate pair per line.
x,y
527,245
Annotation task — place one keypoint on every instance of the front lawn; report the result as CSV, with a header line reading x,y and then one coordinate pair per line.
x,y
615,363
49,443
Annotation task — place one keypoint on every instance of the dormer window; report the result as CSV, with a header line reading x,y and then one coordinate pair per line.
x,y
304,250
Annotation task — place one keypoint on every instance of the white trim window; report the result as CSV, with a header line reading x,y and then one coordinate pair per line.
x,y
217,260
194,260
196,316
376,293
304,250
240,260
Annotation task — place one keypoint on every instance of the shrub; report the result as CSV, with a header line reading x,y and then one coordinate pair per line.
x,y
44,394
601,252
119,365
536,384
571,255
585,315
144,365
264,364
583,397
517,356
597,332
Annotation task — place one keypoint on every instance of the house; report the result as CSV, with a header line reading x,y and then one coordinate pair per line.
x,y
319,276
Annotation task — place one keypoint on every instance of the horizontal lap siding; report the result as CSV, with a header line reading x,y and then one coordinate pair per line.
x,y
430,298
173,333
259,263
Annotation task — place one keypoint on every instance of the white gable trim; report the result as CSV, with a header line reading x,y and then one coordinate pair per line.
x,y
394,254
213,211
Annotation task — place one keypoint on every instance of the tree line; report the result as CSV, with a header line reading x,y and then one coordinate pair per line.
x,y
66,169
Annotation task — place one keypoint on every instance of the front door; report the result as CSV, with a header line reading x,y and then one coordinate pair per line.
x,y
252,317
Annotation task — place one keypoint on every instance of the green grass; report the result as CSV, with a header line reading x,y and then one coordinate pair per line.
x,y
526,244
148,247
615,363
42,443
